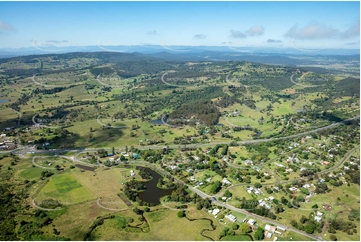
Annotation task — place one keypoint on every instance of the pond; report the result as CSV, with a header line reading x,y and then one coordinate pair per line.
x,y
158,121
3,101
153,193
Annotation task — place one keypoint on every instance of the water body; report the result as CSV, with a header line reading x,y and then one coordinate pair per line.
x,y
259,134
220,125
153,193
158,121
3,101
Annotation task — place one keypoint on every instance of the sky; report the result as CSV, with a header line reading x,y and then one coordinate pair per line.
x,y
232,24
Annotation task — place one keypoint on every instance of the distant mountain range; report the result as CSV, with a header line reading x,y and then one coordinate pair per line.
x,y
173,51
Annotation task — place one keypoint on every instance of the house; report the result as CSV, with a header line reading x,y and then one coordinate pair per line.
x,y
111,159
319,214
267,234
252,222
215,211
173,167
231,217
292,189
289,170
280,228
226,182
318,218
248,162
257,168
257,191
2,135
199,183
209,179
196,158
275,239
125,154
306,186
276,189
132,173
270,228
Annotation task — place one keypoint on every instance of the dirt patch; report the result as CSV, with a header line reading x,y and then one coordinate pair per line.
x,y
87,168
125,200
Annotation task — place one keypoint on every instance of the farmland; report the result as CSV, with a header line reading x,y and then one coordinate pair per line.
x,y
229,138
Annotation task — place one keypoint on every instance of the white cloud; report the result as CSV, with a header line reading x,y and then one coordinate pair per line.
x,y
200,36
313,30
255,31
238,34
353,43
6,27
351,31
274,41
53,42
153,32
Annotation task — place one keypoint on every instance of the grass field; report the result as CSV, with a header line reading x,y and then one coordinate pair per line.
x,y
163,225
65,188
79,217
105,184
30,173
239,237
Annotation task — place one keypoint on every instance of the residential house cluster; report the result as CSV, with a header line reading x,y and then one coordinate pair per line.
x,y
256,191
270,230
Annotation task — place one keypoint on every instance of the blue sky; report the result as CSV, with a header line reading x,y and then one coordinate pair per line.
x,y
235,24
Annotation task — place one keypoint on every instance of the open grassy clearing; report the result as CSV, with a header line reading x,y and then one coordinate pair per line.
x,y
105,184
65,188
78,218
50,162
162,226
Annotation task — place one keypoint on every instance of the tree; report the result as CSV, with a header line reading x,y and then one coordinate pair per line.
x,y
224,232
235,226
181,214
227,194
309,228
333,237
303,219
113,150
259,234
258,185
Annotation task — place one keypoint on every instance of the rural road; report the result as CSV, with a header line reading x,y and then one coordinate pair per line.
x,y
204,195
216,202
158,147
